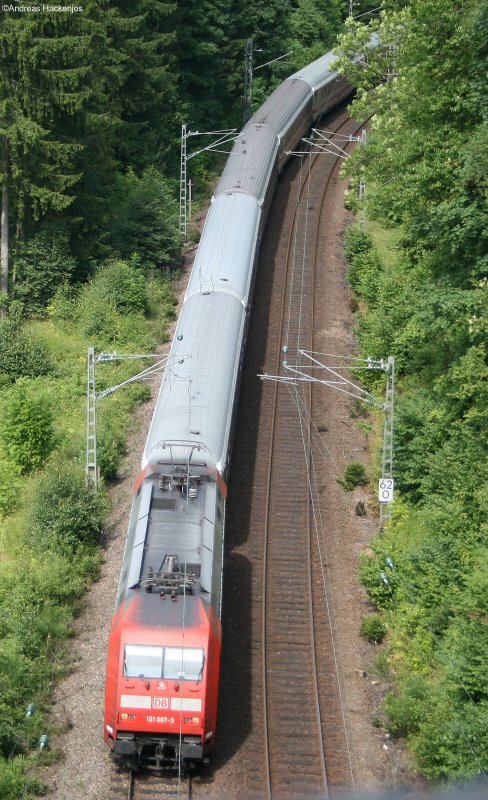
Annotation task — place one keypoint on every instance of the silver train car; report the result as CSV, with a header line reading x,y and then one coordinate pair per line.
x,y
164,646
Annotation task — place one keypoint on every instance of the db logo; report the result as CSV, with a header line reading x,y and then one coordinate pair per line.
x,y
160,702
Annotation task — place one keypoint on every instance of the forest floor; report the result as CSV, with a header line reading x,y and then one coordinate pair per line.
x,y
379,764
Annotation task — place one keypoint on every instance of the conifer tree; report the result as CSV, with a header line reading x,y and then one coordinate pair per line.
x,y
55,73
144,34
204,28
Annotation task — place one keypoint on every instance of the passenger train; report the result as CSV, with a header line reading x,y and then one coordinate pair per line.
x,y
164,646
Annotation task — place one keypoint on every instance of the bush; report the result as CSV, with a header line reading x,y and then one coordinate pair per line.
x,y
146,220
111,307
20,680
373,628
41,263
405,710
21,354
9,486
122,284
98,319
63,303
15,783
10,742
66,513
27,429
110,449
354,475
357,241
364,275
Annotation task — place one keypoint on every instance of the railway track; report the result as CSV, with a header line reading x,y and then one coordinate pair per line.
x,y
131,785
296,741
299,739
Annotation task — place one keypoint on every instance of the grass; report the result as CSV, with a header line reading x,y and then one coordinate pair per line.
x,y
385,241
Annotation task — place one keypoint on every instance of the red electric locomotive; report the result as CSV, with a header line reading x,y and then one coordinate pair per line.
x,y
165,639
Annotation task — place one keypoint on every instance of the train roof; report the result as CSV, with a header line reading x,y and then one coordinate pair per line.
x,y
227,247
150,611
196,397
316,73
250,163
283,106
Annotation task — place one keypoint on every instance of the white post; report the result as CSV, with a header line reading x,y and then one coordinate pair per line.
x,y
387,467
248,80
183,198
92,473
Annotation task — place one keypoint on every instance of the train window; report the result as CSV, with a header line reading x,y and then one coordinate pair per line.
x,y
180,663
183,663
143,662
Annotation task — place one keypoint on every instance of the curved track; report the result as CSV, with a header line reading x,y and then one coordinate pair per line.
x,y
299,737
296,743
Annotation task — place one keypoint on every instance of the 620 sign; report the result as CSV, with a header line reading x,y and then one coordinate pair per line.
x,y
385,490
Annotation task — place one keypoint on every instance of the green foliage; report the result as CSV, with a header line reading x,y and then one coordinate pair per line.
x,y
27,428
204,34
9,738
144,34
40,264
146,220
121,285
356,241
373,628
364,275
110,308
15,781
354,475
9,486
381,664
110,448
364,264
66,514
63,303
21,353
405,711
313,28
380,593
452,745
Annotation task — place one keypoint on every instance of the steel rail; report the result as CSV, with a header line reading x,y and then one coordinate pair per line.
x,y
134,785
268,781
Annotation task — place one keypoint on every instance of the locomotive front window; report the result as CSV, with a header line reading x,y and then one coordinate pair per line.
x,y
143,662
183,663
172,663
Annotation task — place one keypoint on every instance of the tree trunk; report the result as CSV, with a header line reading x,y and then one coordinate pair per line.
x,y
4,231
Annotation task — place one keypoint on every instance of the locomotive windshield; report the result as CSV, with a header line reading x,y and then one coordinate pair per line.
x,y
172,663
